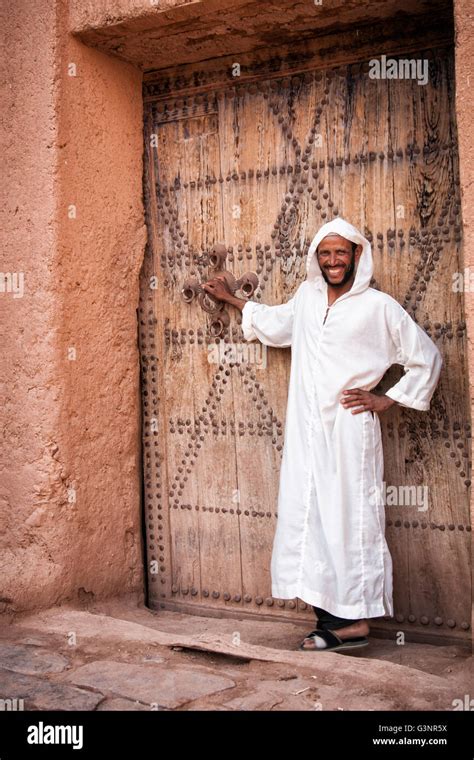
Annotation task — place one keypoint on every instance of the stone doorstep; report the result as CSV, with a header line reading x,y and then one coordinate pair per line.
x,y
382,680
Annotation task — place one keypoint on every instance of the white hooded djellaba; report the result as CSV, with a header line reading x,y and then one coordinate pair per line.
x,y
329,548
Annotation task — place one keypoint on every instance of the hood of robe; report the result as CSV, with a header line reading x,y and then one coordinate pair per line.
x,y
365,266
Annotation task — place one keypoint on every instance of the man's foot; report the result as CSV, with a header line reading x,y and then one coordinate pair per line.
x,y
354,630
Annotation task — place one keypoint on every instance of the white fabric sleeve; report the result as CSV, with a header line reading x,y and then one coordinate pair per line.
x,y
271,325
422,362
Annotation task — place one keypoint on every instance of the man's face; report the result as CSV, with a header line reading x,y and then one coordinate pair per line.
x,y
337,259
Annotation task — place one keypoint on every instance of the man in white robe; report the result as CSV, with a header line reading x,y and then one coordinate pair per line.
x,y
330,548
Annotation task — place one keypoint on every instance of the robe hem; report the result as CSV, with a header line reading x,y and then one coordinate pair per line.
x,y
353,611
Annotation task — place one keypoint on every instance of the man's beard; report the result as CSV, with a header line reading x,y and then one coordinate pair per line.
x,y
345,279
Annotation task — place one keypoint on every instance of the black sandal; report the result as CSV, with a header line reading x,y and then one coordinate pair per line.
x,y
333,641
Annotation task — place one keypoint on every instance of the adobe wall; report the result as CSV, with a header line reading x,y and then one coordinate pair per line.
x,y
31,389
464,47
464,26
70,485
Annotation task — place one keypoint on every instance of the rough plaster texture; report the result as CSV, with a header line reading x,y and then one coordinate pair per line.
x,y
74,424
464,46
154,35
70,423
31,392
100,255
464,57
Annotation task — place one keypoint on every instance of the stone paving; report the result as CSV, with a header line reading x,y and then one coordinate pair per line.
x,y
116,655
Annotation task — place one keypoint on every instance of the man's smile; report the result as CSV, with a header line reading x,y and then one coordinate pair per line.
x,y
334,270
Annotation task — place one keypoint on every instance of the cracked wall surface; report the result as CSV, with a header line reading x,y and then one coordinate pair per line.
x,y
70,472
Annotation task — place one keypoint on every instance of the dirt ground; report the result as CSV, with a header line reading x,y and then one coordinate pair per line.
x,y
116,655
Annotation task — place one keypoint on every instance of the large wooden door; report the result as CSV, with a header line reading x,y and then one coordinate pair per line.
x,y
258,162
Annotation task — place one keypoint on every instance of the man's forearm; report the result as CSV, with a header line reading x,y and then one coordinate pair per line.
x,y
239,303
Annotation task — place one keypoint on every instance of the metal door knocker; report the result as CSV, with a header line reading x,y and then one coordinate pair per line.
x,y
192,290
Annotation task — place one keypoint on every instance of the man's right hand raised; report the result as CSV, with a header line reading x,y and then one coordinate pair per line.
x,y
219,289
